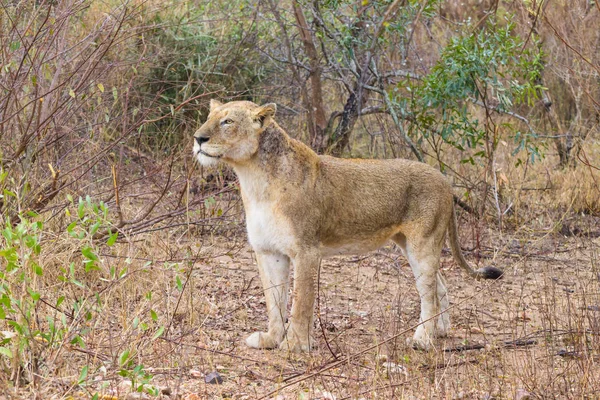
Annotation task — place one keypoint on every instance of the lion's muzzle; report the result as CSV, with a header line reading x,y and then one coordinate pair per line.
x,y
204,156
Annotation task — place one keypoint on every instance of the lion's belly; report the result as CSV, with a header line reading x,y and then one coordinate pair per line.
x,y
353,247
353,239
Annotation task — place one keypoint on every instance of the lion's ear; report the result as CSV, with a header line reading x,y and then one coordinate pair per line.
x,y
265,113
214,104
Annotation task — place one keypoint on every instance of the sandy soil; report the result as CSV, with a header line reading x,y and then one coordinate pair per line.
x,y
533,333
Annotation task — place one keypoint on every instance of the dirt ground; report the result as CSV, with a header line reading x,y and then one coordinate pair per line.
x,y
532,334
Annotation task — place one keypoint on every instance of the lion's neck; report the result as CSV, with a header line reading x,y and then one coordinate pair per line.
x,y
274,144
279,158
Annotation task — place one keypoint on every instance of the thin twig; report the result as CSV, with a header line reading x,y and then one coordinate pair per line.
x,y
319,312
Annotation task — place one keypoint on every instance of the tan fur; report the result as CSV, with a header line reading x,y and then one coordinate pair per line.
x,y
301,207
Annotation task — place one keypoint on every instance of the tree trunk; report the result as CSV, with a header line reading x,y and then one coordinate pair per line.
x,y
563,141
317,122
341,137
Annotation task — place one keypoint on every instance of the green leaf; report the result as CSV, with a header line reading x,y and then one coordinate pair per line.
x,y
153,315
88,253
14,46
77,283
158,333
70,228
112,238
83,375
81,209
94,228
37,269
34,295
16,326
90,266
124,357
79,341
5,351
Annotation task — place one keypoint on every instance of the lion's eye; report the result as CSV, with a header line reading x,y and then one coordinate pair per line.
x,y
227,122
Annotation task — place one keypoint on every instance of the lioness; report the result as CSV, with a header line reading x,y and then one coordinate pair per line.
x,y
301,207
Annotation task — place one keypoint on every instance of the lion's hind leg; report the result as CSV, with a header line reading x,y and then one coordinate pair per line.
x,y
443,323
423,255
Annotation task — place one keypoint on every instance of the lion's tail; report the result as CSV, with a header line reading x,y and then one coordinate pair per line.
x,y
482,273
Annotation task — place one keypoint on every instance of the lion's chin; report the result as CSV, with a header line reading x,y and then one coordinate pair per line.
x,y
206,161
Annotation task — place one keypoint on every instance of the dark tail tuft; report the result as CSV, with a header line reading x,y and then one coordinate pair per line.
x,y
490,273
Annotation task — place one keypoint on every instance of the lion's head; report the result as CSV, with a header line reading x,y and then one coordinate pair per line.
x,y
231,132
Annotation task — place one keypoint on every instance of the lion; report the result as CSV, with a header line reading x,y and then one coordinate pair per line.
x,y
301,207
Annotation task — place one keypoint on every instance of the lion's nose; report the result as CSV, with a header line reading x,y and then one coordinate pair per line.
x,y
201,139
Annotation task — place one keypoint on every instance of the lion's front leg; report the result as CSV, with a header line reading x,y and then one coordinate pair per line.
x,y
274,273
298,337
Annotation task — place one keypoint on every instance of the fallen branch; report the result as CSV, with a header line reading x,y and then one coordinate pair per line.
x,y
479,346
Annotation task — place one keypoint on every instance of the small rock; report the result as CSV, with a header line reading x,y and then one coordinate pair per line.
x,y
194,373
125,386
393,368
8,334
213,378
325,396
165,390
137,396
359,313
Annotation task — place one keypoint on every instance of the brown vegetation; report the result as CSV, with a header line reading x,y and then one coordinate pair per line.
x,y
124,266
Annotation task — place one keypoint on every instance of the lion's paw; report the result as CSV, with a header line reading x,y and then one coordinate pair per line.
x,y
261,340
295,345
417,344
422,340
443,326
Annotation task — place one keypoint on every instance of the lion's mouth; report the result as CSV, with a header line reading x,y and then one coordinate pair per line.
x,y
209,155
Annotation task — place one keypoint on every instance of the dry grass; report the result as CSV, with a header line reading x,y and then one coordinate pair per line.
x,y
169,305
205,292
174,298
